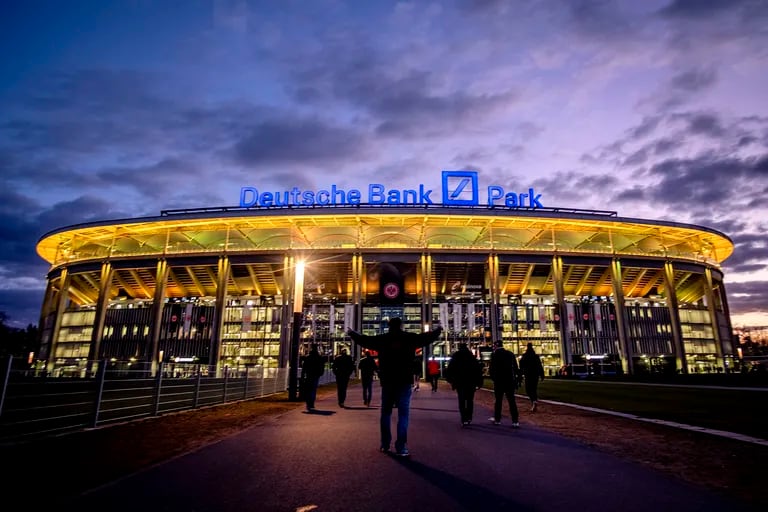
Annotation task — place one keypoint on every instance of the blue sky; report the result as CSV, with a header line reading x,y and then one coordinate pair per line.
x,y
654,109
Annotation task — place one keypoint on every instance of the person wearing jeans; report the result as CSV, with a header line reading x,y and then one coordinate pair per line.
x,y
391,397
396,349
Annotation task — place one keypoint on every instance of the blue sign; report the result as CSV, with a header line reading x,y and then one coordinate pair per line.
x,y
459,188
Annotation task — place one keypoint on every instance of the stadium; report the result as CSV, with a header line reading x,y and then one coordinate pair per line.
x,y
253,285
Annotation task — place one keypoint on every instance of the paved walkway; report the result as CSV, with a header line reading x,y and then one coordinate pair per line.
x,y
329,461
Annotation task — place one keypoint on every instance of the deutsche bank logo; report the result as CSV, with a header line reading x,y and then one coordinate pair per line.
x,y
460,188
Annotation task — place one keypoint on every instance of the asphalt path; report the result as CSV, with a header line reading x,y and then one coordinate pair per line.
x,y
329,461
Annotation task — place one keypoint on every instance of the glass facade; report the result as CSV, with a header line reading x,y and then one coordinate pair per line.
x,y
585,308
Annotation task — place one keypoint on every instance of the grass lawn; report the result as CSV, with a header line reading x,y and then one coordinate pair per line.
x,y
732,410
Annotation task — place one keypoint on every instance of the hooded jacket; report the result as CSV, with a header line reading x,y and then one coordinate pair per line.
x,y
464,370
530,365
504,369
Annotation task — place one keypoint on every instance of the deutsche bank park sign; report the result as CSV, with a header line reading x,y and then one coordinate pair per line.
x,y
459,188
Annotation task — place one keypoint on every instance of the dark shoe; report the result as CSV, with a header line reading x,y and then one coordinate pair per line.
x,y
384,449
403,453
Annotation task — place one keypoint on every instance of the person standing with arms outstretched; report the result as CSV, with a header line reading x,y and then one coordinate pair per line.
x,y
533,370
396,349
368,368
465,373
343,367
504,373
311,370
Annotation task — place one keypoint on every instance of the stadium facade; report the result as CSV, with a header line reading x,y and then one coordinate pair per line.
x,y
223,286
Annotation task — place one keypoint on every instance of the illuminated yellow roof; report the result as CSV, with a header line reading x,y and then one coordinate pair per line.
x,y
234,231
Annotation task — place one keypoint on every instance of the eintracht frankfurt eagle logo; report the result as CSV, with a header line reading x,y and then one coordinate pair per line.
x,y
391,290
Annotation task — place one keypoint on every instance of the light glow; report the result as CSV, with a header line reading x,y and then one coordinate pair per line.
x,y
298,291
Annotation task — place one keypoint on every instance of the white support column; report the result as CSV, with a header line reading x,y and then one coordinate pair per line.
x,y
214,353
493,286
625,346
158,303
61,305
298,305
713,316
565,336
674,315
286,313
105,286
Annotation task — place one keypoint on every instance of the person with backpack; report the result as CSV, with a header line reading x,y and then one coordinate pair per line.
x,y
505,375
465,374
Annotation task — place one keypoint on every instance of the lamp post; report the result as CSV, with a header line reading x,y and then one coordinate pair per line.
x,y
298,304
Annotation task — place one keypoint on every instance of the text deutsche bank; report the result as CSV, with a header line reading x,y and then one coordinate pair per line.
x,y
459,188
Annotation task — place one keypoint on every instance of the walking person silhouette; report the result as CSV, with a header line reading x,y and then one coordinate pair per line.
x,y
433,373
504,373
343,366
417,372
533,370
368,368
465,373
312,369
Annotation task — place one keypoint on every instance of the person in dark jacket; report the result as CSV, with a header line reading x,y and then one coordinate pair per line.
x,y
504,373
343,367
417,371
368,368
465,374
396,349
312,369
533,370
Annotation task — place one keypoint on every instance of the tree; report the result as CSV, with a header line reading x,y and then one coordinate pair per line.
x,y
17,342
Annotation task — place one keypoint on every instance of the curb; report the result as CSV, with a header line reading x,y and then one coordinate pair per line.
x,y
720,433
683,426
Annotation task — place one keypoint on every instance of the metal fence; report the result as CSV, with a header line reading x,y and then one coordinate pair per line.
x,y
34,405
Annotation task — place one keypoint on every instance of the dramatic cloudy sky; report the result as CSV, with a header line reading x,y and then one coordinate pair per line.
x,y
656,109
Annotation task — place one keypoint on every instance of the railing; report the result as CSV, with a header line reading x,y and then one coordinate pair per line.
x,y
33,406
